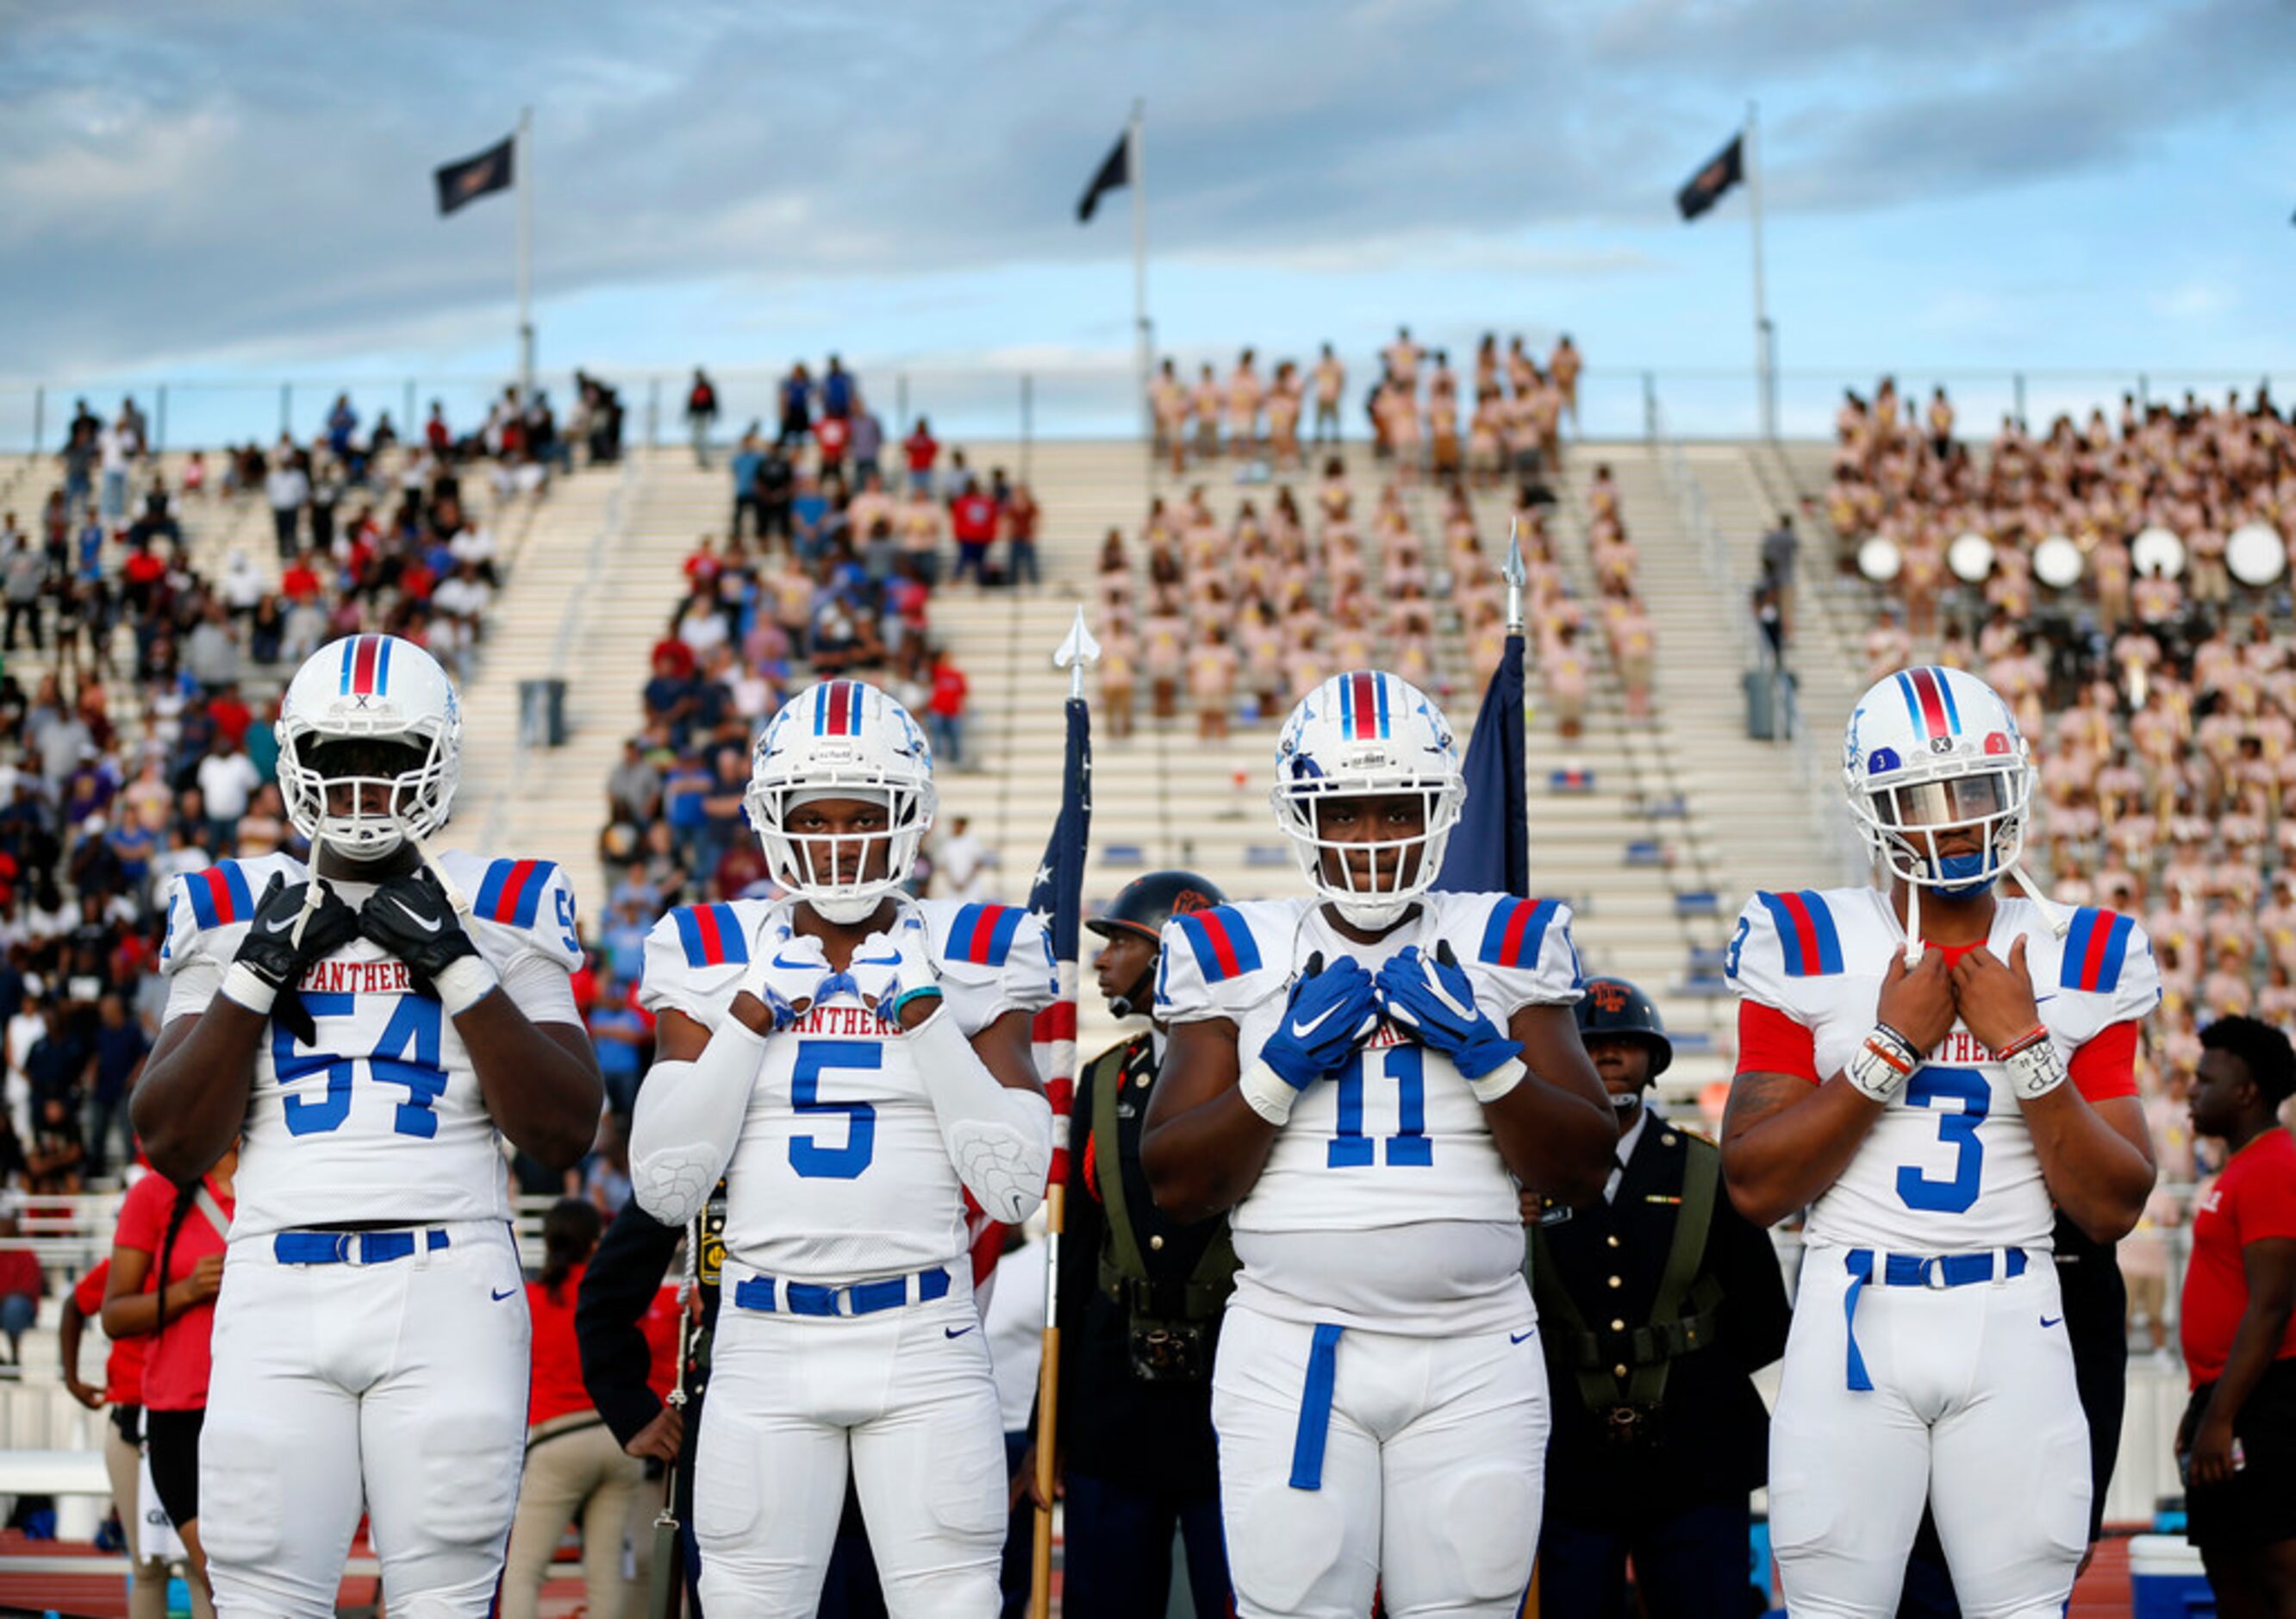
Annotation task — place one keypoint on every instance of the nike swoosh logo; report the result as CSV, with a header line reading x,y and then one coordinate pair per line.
x,y
793,967
280,925
428,924
1517,1337
876,961
1300,1030
2046,1321
2037,999
955,1332
499,1297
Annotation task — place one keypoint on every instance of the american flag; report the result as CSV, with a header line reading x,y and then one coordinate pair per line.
x,y
1057,898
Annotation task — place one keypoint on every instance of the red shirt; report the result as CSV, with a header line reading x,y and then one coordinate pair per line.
x,y
175,1362
299,583
556,1389
659,1326
948,689
2254,1199
973,519
833,433
123,1369
922,450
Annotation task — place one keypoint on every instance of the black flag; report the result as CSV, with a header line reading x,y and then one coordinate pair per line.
x,y
1116,172
474,176
1705,189
1490,847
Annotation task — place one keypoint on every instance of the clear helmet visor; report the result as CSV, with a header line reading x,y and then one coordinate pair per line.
x,y
1960,802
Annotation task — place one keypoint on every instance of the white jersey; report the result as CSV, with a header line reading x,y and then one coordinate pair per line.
x,y
841,1173
1384,1196
382,1119
1950,1164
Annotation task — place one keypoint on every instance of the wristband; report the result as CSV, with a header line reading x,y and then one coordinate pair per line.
x,y
2034,1036
1267,1093
1883,1064
464,983
2035,1067
1499,1081
243,986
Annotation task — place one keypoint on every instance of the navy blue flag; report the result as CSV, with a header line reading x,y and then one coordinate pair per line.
x,y
1115,172
1058,898
1490,847
1725,169
476,176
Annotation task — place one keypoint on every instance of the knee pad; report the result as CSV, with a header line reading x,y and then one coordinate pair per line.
x,y
1489,1516
240,1505
1283,1543
471,1470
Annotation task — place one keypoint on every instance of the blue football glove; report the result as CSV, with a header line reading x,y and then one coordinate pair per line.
x,y
1331,1011
1432,997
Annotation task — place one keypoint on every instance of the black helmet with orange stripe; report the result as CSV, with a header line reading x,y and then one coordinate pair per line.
x,y
1140,910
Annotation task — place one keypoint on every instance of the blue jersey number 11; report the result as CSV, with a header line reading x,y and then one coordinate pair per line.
x,y
1351,1149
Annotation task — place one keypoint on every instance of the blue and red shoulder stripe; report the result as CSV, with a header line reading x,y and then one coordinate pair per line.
x,y
1220,942
983,934
511,890
1516,932
2096,947
711,935
1811,943
219,895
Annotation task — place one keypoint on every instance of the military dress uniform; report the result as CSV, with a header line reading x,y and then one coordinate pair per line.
x,y
1657,1303
1141,1297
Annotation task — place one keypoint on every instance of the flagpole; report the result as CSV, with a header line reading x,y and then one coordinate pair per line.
x,y
1764,380
1135,153
524,170
1513,573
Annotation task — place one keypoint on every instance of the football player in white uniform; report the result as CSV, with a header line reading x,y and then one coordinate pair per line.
x,y
373,1044
1362,1078
1928,1117
854,1063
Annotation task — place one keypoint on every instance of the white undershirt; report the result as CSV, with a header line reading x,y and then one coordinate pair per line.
x,y
1632,1134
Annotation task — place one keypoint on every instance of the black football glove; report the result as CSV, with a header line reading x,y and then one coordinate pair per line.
x,y
410,917
273,958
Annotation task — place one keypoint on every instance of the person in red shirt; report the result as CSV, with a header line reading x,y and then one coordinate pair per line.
x,y
972,523
123,1434
945,710
575,1467
300,580
177,1234
22,1285
832,435
2237,1442
922,450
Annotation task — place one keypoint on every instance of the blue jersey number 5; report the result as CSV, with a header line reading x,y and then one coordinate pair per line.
x,y
808,1156
1928,1088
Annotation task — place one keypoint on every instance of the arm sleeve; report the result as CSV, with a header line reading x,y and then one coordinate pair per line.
x,y
2105,1065
616,1289
1770,1041
689,1117
999,1140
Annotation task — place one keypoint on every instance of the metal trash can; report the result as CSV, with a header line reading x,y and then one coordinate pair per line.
x,y
542,713
1769,703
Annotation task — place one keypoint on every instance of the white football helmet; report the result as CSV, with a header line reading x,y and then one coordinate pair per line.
x,y
841,739
1368,732
376,717
1928,749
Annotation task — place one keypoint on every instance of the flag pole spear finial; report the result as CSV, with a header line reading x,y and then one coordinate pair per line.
x,y
1078,652
1513,573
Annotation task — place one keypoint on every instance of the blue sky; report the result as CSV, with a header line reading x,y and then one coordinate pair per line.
x,y
237,192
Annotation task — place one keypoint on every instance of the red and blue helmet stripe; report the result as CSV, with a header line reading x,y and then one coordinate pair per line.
x,y
1928,700
1362,707
366,666
837,709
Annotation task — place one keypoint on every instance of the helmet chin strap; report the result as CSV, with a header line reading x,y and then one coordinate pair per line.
x,y
848,911
1361,912
1137,1000
2060,921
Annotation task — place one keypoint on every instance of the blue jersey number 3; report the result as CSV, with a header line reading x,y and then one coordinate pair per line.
x,y
1928,1088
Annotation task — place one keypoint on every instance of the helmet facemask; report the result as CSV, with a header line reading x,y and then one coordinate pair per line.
x,y
830,871
1396,871
358,792
1901,823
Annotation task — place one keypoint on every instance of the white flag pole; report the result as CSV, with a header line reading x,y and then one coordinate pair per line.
x,y
1765,379
525,178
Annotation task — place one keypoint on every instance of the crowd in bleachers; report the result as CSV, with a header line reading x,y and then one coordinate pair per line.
x,y
137,743
1509,423
2161,706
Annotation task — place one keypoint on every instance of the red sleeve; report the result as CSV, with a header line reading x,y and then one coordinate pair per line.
x,y
1771,1042
2104,1066
2263,1205
144,1216
87,1293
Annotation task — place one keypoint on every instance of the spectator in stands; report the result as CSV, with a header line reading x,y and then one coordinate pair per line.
x,y
24,581
120,1048
1020,516
121,1399
575,1470
796,406
227,780
23,1285
287,490
1779,547
945,710
922,451
175,1236
623,1036
973,518
700,414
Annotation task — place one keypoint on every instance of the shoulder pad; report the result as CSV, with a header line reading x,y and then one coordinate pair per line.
x,y
219,896
980,933
203,903
1515,931
1808,940
2096,951
709,935
1220,940
509,892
